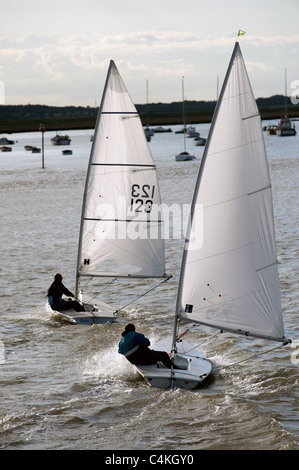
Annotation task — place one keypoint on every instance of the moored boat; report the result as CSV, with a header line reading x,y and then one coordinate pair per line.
x,y
271,129
184,156
191,132
286,127
61,140
161,129
6,141
200,141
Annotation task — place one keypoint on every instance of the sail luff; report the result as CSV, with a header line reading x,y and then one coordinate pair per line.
x,y
229,276
87,176
194,199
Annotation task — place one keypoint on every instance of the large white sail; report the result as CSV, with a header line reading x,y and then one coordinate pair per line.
x,y
121,225
229,276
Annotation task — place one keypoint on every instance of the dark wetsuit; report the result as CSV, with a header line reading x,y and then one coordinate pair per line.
x,y
55,293
134,346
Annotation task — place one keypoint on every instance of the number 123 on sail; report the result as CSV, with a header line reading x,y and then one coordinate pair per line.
x,y
142,197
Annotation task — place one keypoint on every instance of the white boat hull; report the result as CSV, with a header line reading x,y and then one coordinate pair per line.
x,y
83,318
285,132
97,312
195,369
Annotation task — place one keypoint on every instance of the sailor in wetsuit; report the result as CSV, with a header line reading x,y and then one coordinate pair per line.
x,y
134,346
55,293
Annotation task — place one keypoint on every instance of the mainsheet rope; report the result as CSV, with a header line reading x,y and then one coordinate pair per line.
x,y
98,293
235,363
252,357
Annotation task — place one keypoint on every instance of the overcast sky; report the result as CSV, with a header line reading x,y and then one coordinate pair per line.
x,y
58,52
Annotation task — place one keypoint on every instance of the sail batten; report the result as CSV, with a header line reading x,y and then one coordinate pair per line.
x,y
124,165
229,275
260,189
134,113
95,219
251,117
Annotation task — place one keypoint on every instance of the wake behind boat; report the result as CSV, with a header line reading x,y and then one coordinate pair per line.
x,y
121,225
229,276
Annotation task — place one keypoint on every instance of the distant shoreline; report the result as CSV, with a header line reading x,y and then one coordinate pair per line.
x,y
67,123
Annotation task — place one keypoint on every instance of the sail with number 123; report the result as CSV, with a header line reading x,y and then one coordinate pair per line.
x,y
121,224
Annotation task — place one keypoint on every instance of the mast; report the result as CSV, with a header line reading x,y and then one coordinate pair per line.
x,y
184,120
146,102
285,92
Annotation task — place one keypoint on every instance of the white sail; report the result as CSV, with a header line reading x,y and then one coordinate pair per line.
x,y
121,225
229,276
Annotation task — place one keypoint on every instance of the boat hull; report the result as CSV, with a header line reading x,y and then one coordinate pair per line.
x,y
285,132
200,142
83,318
195,368
97,312
184,156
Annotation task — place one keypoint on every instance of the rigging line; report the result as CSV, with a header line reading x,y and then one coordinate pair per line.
x,y
255,355
87,282
202,342
142,295
105,287
94,297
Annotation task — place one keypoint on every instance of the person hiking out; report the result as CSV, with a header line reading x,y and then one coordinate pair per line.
x,y
135,347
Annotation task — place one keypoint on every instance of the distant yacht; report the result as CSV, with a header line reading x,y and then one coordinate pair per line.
x,y
183,156
286,127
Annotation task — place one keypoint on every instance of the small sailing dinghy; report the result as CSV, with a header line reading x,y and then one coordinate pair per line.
x,y
229,275
121,226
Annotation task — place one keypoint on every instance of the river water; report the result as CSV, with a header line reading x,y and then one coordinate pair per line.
x,y
66,387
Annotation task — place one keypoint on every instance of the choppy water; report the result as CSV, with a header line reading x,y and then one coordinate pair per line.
x,y
66,387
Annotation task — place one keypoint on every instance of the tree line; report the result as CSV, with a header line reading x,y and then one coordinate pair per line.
x,y
37,111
